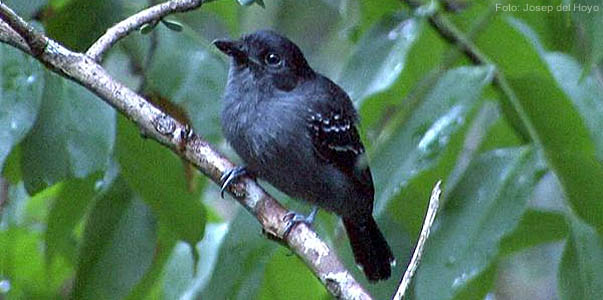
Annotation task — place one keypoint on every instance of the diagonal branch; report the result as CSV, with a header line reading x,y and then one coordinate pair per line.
x,y
432,210
35,42
155,124
125,27
11,37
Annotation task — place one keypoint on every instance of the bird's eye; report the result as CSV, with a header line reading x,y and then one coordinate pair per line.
x,y
272,59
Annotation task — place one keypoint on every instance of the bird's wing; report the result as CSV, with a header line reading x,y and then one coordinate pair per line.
x,y
336,141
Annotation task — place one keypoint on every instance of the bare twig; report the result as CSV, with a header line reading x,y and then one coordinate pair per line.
x,y
123,28
155,124
9,36
35,42
434,203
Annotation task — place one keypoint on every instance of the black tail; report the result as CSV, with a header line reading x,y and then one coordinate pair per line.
x,y
371,251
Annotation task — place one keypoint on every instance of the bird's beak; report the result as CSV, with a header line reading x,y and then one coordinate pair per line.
x,y
230,48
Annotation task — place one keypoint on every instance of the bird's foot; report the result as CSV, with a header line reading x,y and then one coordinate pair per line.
x,y
294,218
231,175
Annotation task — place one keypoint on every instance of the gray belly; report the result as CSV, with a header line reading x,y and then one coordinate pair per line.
x,y
284,157
290,165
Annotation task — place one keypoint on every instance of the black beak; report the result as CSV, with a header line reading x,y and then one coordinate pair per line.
x,y
230,48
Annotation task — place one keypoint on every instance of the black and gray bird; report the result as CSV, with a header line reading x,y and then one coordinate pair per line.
x,y
296,129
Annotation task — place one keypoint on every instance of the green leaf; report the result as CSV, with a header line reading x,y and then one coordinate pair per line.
x,y
12,172
479,286
535,228
21,262
555,125
57,4
78,23
147,28
72,137
149,287
190,76
118,245
249,2
415,148
172,25
36,209
159,177
223,16
567,145
553,26
379,57
178,271
67,210
242,261
22,266
585,93
500,135
525,61
179,280
287,277
414,81
581,267
485,206
21,84
373,11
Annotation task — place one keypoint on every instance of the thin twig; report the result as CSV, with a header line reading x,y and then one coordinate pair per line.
x,y
434,203
155,124
123,28
10,37
36,42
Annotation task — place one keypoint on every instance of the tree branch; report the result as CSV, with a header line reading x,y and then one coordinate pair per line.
x,y
155,124
35,42
432,210
11,37
123,28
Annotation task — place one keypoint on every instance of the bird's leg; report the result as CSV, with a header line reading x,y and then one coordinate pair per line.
x,y
229,176
294,218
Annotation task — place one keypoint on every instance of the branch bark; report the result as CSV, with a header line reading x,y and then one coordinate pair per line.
x,y
161,127
432,210
125,27
8,35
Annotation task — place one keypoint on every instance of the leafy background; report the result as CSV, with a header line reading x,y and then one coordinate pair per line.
x,y
91,210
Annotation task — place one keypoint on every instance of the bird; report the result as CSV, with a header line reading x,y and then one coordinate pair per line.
x,y
297,130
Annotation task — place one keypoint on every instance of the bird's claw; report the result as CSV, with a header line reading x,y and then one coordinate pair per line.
x,y
229,176
294,218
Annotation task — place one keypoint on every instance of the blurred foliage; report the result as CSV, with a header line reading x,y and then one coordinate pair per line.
x,y
92,210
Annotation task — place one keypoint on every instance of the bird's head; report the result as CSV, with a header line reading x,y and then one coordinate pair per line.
x,y
268,55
